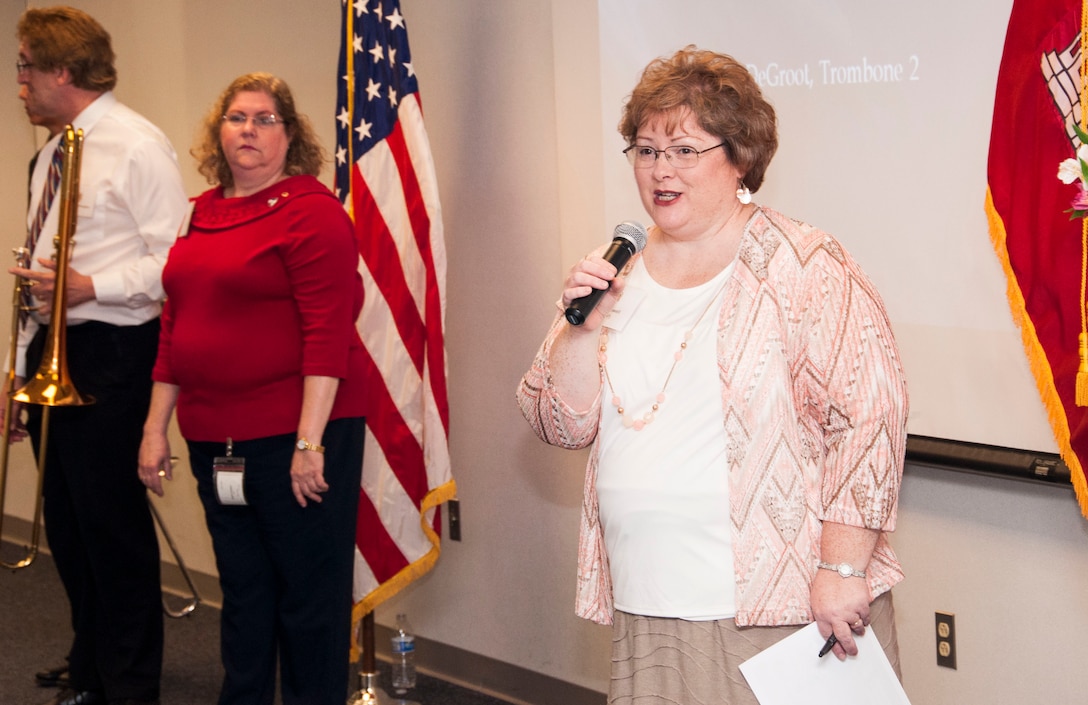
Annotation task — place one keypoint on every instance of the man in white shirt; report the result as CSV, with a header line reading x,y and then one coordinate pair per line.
x,y
131,204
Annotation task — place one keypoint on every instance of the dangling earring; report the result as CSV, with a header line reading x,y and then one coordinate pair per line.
x,y
744,195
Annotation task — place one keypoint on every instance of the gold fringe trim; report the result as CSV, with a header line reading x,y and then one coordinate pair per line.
x,y
1082,371
1040,368
408,574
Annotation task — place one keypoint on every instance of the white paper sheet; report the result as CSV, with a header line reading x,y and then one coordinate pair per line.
x,y
790,673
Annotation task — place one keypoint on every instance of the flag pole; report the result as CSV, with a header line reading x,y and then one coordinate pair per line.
x,y
369,692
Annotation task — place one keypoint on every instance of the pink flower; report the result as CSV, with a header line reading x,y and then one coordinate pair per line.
x,y
1080,203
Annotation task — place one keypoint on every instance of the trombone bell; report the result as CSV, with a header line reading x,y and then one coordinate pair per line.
x,y
50,387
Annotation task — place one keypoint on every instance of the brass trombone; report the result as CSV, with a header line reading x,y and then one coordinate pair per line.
x,y
51,384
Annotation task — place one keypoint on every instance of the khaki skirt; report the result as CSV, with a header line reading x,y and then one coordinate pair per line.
x,y
658,660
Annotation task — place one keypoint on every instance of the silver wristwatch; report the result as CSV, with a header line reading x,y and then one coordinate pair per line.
x,y
845,570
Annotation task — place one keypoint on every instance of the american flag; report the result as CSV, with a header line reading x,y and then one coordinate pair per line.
x,y
386,180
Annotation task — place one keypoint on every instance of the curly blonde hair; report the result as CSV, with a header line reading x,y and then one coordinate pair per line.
x,y
305,154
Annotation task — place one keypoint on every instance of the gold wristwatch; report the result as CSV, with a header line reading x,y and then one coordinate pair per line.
x,y
303,444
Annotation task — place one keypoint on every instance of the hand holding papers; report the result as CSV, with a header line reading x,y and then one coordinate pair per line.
x,y
859,680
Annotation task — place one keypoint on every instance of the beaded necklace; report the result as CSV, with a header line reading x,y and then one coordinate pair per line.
x,y
602,356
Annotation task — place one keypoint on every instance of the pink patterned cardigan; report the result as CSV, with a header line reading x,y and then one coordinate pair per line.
x,y
815,408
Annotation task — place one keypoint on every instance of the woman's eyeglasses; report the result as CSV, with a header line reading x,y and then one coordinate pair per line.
x,y
681,157
262,120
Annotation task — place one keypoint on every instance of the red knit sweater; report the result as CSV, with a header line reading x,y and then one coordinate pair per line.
x,y
261,291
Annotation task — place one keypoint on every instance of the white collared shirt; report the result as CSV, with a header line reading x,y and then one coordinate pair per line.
x,y
131,203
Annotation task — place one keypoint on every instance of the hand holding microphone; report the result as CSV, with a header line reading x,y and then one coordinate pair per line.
x,y
628,238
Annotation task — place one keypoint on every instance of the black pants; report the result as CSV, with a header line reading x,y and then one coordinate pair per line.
x,y
97,520
286,571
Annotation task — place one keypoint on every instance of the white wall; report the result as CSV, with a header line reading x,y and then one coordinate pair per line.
x,y
1008,559
511,99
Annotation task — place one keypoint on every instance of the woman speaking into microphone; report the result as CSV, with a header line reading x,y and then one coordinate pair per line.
x,y
741,391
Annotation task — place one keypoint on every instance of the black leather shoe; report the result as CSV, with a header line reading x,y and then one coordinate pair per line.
x,y
53,677
77,697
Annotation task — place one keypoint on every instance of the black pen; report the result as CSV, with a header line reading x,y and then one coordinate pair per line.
x,y
831,641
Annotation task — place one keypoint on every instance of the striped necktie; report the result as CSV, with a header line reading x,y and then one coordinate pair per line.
x,y
52,181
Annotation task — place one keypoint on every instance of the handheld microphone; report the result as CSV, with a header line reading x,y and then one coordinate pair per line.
x,y
628,238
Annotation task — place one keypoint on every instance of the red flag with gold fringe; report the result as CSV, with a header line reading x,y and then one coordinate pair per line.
x,y
1037,112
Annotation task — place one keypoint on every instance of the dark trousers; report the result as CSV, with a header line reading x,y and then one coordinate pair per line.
x,y
97,520
286,571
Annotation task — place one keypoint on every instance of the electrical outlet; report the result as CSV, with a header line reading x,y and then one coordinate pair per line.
x,y
946,640
455,519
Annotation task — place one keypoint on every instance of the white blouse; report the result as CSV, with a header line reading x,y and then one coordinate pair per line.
x,y
664,489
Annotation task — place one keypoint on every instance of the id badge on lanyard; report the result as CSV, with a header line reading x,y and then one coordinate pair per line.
x,y
228,476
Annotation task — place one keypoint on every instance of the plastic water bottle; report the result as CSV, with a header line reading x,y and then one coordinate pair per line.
x,y
404,655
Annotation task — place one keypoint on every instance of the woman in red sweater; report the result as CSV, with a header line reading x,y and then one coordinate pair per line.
x,y
260,357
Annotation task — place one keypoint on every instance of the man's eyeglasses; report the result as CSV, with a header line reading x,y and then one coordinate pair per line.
x,y
262,120
23,66
681,157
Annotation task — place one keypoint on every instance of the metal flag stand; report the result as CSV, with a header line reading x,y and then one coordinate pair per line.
x,y
370,693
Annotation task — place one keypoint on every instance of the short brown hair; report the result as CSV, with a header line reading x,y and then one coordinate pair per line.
x,y
64,37
304,154
722,95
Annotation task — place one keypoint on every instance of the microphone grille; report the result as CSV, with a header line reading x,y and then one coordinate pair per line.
x,y
632,231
